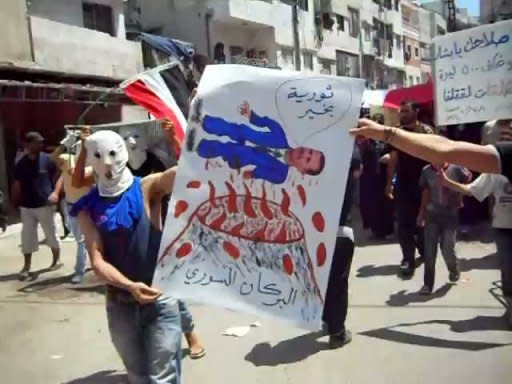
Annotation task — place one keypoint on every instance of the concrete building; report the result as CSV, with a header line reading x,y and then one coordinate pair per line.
x,y
462,19
56,58
411,30
230,31
495,10
432,24
382,43
330,31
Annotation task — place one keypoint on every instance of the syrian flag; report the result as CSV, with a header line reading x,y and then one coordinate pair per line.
x,y
163,92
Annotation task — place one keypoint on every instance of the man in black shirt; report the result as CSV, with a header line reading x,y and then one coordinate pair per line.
x,y
406,192
34,181
336,297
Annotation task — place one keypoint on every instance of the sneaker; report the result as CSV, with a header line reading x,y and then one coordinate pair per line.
x,y
425,291
23,275
325,329
66,234
404,265
77,278
340,340
454,276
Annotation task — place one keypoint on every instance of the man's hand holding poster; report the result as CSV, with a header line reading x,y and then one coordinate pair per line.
x,y
254,213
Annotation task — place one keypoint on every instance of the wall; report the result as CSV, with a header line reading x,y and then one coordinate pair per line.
x,y
245,37
337,39
492,9
415,59
15,41
70,12
425,24
65,48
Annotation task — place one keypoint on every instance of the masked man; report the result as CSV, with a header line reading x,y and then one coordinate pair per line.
x,y
120,220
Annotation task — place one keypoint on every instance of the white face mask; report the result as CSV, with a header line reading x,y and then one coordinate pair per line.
x,y
136,144
107,154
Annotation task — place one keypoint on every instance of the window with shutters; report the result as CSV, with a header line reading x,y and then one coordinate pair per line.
x,y
98,17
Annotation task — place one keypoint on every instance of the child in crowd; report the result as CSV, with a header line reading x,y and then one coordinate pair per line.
x,y
438,215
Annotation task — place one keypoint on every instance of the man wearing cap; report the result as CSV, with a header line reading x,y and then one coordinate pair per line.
x,y
34,181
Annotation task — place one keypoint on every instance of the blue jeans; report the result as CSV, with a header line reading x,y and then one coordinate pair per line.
x,y
440,230
146,337
81,251
187,322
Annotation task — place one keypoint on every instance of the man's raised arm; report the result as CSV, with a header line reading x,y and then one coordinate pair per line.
x,y
433,148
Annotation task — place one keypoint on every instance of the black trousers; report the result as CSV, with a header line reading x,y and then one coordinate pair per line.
x,y
336,298
410,236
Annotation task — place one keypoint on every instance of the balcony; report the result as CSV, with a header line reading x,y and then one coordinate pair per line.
x,y
65,48
368,48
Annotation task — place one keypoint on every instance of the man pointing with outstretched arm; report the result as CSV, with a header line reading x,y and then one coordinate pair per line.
x,y
433,148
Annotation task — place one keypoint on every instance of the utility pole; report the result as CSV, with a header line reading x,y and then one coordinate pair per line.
x,y
452,16
295,26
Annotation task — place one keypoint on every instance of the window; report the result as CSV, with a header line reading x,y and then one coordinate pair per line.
x,y
411,80
287,56
397,4
327,21
389,32
303,4
409,49
340,20
98,17
354,22
418,80
325,66
398,41
235,50
308,60
367,28
379,27
416,52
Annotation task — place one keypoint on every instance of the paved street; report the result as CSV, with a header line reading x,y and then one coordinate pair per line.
x,y
53,332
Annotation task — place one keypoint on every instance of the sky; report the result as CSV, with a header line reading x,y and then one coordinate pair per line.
x,y
473,6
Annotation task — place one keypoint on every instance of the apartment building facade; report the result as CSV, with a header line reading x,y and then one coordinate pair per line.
x,y
56,58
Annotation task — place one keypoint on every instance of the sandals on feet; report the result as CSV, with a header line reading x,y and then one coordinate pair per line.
x,y
197,355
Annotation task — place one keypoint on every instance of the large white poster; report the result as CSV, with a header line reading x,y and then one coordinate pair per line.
x,y
473,74
261,178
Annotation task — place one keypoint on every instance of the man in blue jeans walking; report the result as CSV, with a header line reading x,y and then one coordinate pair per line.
x,y
121,222
268,152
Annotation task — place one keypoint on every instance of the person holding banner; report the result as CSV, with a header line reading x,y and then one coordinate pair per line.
x,y
336,296
495,159
121,222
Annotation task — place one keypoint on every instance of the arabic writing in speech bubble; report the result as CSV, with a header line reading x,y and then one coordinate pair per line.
x,y
312,105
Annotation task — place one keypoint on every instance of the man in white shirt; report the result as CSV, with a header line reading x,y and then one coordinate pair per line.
x,y
499,186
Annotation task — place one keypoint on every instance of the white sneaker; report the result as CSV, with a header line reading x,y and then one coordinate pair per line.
x,y
77,278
